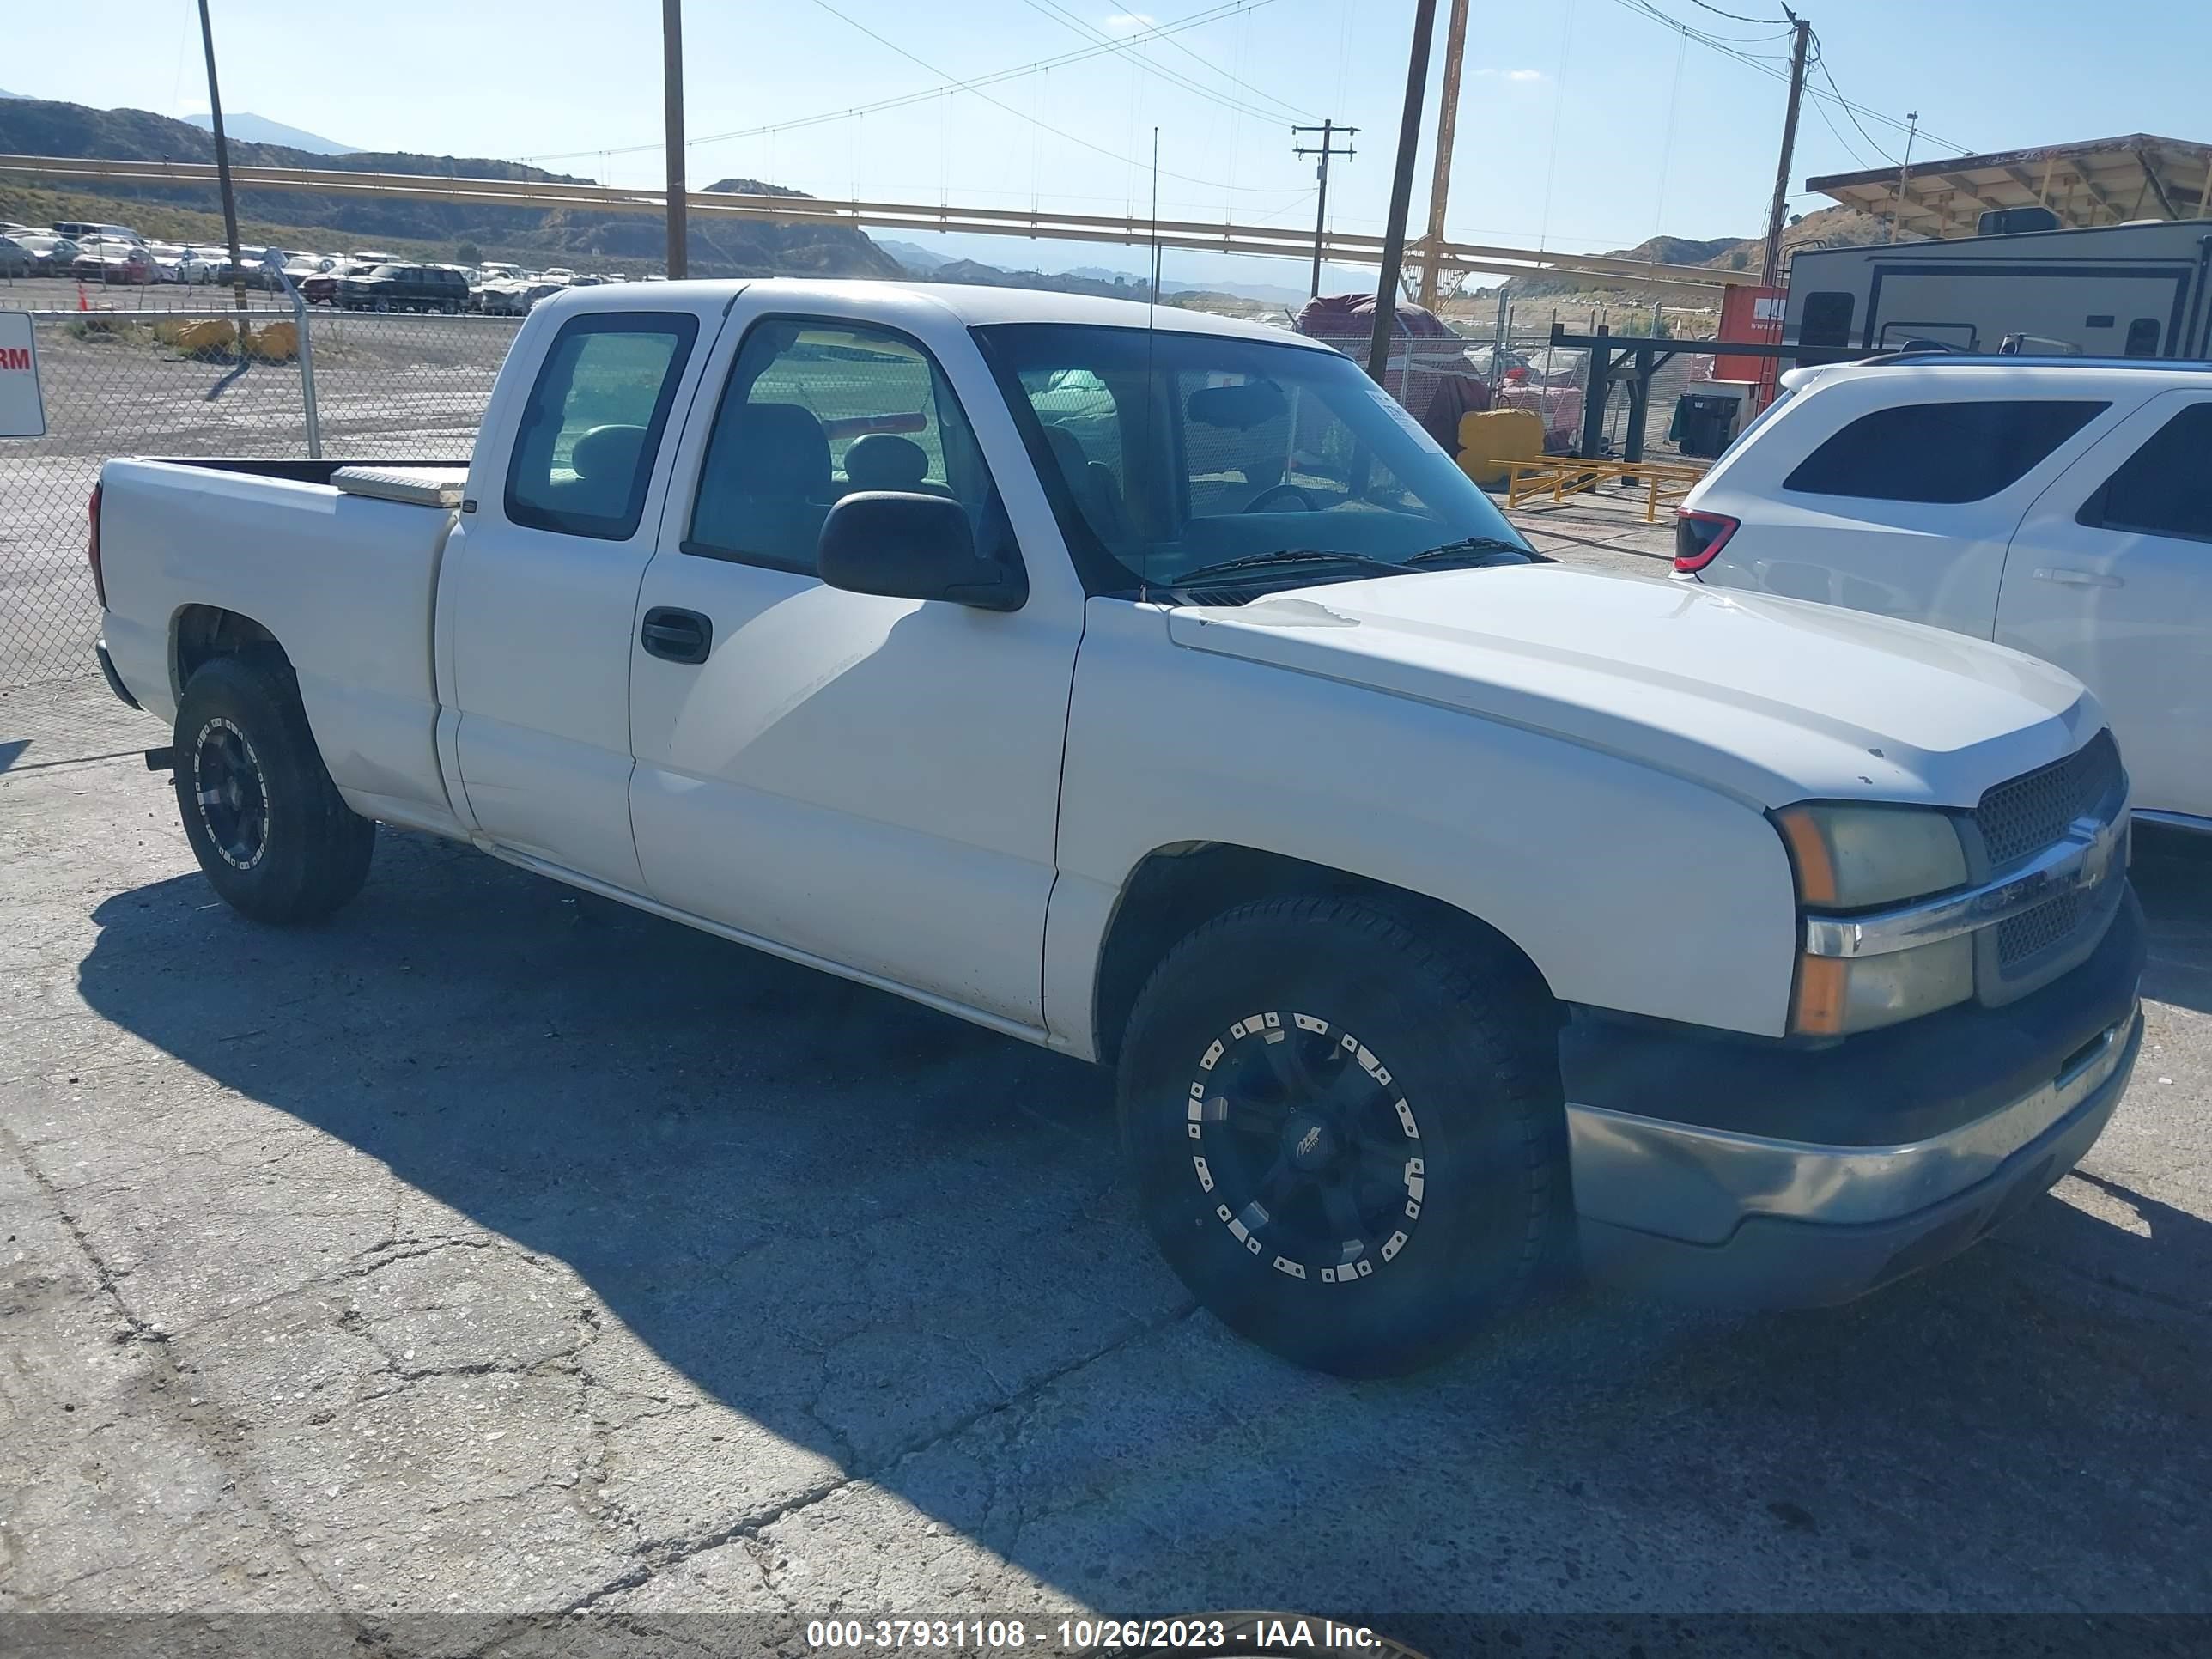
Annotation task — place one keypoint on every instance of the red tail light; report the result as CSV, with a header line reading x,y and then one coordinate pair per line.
x,y
92,549
1700,537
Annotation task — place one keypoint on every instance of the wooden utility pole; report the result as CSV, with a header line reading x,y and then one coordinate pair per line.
x,y
672,55
1330,132
1447,132
1770,269
223,162
1401,189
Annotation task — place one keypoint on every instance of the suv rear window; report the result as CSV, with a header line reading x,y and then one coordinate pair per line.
x,y
1944,452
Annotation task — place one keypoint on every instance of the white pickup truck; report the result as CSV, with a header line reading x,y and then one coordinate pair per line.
x,y
1151,687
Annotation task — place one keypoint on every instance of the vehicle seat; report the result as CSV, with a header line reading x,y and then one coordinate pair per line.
x,y
765,488
880,461
605,460
1097,493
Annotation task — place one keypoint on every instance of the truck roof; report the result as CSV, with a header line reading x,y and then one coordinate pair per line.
x,y
974,305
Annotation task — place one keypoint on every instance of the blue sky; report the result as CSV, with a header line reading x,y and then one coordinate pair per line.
x,y
1585,124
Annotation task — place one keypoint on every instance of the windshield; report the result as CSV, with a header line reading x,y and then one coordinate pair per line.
x,y
1169,453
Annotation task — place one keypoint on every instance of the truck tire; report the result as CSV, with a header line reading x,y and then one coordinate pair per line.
x,y
1348,1137
268,826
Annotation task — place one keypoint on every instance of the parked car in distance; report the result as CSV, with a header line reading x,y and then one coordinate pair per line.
x,y
50,255
15,259
115,262
2061,507
1446,912
404,288
82,231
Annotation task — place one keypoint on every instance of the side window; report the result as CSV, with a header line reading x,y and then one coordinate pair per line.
x,y
814,411
2164,488
583,455
2142,337
1828,318
1946,452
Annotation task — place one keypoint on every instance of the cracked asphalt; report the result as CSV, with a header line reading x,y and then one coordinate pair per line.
x,y
493,1248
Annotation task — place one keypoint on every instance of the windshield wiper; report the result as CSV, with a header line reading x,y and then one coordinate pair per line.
x,y
1282,555
1470,546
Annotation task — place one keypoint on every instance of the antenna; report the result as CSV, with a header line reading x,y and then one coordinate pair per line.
x,y
1151,338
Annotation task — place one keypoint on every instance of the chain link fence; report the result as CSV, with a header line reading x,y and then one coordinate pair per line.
x,y
159,380
175,382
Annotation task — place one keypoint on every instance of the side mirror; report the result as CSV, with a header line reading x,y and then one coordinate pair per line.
x,y
908,546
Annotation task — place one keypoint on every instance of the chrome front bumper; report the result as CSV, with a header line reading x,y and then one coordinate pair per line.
x,y
1748,1220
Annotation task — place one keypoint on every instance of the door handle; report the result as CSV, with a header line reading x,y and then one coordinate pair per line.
x,y
2069,578
677,635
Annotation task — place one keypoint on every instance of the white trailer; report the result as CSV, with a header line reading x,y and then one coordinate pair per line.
x,y
2133,290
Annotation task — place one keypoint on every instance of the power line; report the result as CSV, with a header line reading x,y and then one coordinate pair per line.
x,y
1044,65
1774,69
1061,132
1821,61
1061,14
1737,16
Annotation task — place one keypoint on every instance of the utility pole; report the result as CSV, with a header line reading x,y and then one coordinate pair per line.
x,y
1330,132
223,162
671,57
1770,269
1904,170
1401,189
1447,133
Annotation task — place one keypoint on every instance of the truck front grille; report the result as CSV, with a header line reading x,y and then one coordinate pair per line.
x,y
2020,819
2033,932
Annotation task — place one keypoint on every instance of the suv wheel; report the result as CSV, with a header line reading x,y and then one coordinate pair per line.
x,y
1348,1139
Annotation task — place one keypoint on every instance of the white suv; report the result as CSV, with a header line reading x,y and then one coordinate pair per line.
x,y
2063,507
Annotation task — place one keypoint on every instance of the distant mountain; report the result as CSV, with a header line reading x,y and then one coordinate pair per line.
x,y
1835,227
915,258
635,242
4,93
246,127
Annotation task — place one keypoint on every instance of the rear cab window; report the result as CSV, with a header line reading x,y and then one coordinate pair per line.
x,y
1941,453
584,451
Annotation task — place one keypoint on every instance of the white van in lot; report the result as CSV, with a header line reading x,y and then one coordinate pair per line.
x,y
2060,506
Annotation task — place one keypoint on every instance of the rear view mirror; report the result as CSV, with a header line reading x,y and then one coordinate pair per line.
x,y
911,546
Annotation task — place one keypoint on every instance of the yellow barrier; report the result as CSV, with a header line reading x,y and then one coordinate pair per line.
x,y
1563,475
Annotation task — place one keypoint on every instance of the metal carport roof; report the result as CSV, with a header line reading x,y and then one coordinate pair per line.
x,y
2103,181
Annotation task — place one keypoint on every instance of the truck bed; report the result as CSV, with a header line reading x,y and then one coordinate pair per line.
x,y
339,559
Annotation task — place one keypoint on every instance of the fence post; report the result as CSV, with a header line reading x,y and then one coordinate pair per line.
x,y
307,367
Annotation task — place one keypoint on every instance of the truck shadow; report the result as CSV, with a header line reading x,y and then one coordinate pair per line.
x,y
900,1247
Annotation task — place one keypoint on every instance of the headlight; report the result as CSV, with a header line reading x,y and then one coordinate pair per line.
x,y
1852,857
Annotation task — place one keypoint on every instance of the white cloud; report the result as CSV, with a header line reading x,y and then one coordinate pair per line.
x,y
1128,23
1520,75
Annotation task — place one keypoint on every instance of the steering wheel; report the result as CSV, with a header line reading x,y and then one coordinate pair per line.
x,y
1305,496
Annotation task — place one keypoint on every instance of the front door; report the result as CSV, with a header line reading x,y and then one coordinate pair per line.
x,y
2110,577
873,782
539,594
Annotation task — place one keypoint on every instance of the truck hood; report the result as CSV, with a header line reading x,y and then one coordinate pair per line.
x,y
1772,700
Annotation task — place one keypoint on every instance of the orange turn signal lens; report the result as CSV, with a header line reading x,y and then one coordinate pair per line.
x,y
1809,852
1818,1007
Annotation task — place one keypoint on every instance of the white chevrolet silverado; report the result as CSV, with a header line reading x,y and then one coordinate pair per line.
x,y
1151,687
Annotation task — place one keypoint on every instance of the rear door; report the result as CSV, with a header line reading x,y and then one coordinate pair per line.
x,y
538,601
873,782
2110,578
